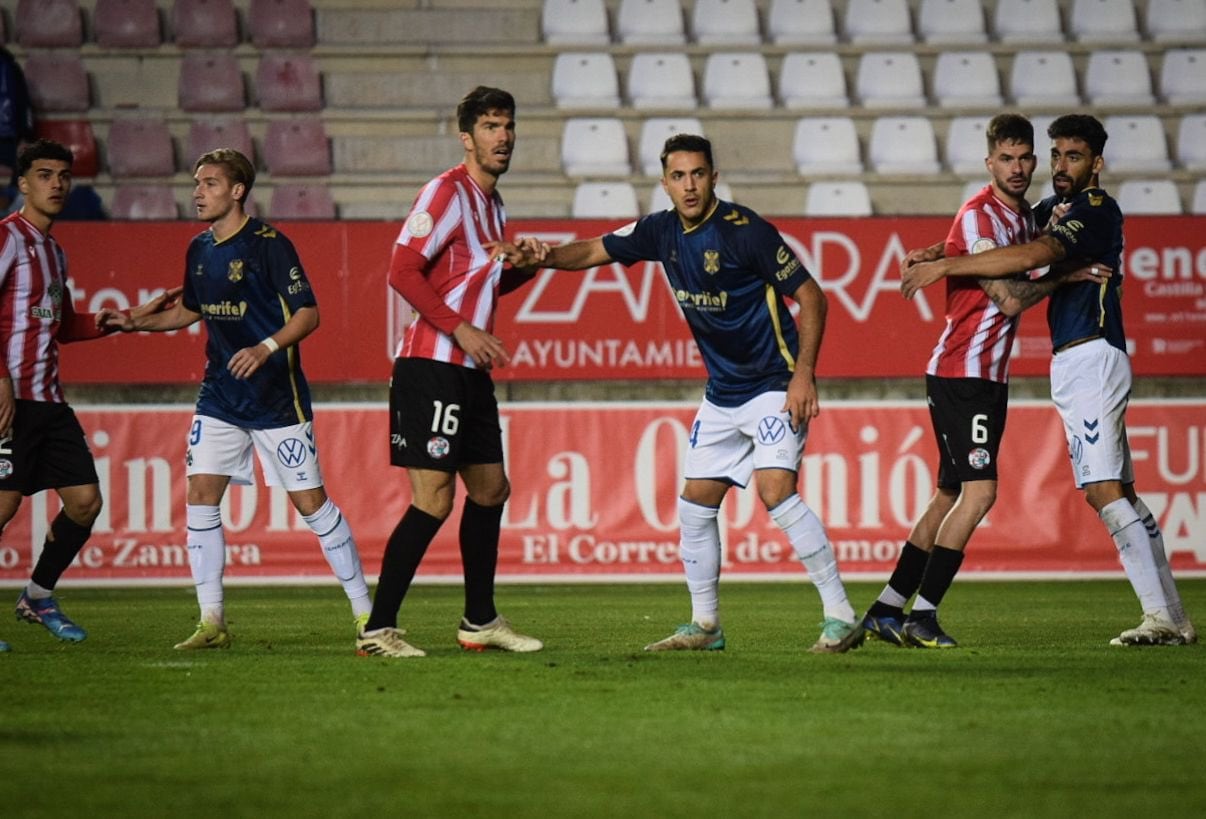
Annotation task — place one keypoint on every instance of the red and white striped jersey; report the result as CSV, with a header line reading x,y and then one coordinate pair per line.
x,y
978,336
33,300
450,221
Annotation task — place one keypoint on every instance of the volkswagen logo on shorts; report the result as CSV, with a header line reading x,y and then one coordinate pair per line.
x,y
438,447
771,430
979,458
291,452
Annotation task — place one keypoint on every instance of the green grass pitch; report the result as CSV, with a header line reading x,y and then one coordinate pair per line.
x,y
1035,715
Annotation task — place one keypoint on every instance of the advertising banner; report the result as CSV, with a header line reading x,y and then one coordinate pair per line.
x,y
613,322
594,496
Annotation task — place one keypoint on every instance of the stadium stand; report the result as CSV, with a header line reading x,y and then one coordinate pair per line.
x,y
951,22
725,22
967,79
1103,21
281,24
1191,142
140,147
737,80
301,202
205,24
837,199
595,146
890,79
126,23
1198,206
826,146
288,82
654,133
965,146
585,80
605,200
143,202
878,22
1043,79
57,82
813,80
800,22
903,145
297,147
650,22
1117,78
76,134
575,22
662,80
1183,76
1176,20
207,134
1149,197
1027,21
1137,144
210,83
49,24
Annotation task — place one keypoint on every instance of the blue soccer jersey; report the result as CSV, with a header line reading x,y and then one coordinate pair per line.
x,y
728,274
1091,232
246,287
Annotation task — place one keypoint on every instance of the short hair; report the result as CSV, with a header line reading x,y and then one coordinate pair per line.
x,y
238,167
692,143
43,149
1009,128
479,102
1080,126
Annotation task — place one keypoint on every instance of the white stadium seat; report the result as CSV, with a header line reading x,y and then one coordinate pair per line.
x,y
725,22
970,189
890,79
733,80
826,145
585,80
800,22
1191,142
878,22
594,146
1136,144
966,147
837,199
967,79
574,22
1043,78
1199,198
605,200
1027,21
650,22
1118,78
1183,76
661,81
903,145
951,21
1103,21
654,133
813,80
1149,197
1178,20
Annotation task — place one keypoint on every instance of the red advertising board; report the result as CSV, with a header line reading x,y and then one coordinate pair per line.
x,y
617,323
595,488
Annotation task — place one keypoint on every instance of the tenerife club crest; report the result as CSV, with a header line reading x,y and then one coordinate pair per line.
x,y
235,271
712,261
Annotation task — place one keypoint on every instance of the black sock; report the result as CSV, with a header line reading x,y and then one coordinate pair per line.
x,y
905,579
403,552
64,542
940,573
479,555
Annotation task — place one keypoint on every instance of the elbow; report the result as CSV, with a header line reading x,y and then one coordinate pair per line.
x,y
1011,307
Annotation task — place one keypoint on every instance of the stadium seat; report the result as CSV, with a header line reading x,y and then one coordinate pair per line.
x,y
967,79
210,82
1103,21
800,22
297,147
970,189
584,80
725,22
1149,197
837,199
1118,78
605,200
878,22
890,79
1136,144
660,200
650,22
205,24
966,146
595,146
903,145
1191,142
77,135
1183,76
1199,198
1027,21
281,23
207,134
826,145
288,82
661,80
737,80
301,202
813,80
576,22
655,132
140,147
126,23
57,82
951,22
49,24
1043,79
1178,20
151,202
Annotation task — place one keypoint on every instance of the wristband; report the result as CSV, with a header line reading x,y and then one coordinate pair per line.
x,y
271,344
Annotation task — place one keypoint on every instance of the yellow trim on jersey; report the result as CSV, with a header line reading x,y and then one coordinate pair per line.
x,y
291,357
772,304
242,225
1101,310
703,221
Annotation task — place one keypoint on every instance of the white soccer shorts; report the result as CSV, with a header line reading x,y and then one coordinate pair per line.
x,y
729,443
1091,384
288,455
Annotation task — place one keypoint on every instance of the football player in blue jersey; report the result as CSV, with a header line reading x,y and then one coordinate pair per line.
x,y
730,271
243,277
1090,368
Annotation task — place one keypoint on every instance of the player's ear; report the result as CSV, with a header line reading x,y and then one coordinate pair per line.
x,y
466,140
1098,163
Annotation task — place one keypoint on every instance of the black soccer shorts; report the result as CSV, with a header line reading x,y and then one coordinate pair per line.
x,y
442,416
968,415
46,450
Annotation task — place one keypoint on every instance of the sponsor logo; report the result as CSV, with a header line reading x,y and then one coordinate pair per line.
x,y
397,441
235,271
708,302
298,287
979,458
42,313
784,273
188,456
291,452
1095,200
711,261
771,430
6,468
736,218
419,224
1076,450
295,274
438,447
782,255
224,310
982,245
1092,433
200,271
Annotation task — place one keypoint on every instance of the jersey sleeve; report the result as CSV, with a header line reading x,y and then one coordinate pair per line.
x,y
188,297
433,220
286,272
636,241
770,257
1086,231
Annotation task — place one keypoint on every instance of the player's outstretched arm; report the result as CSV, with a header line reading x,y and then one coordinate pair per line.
x,y
162,313
803,402
991,264
249,359
1012,296
923,254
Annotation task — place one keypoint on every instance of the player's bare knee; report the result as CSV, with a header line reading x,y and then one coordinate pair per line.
x,y
491,496
83,511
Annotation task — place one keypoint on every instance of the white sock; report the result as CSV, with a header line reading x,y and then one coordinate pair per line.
x,y
699,549
339,548
892,597
1156,539
36,592
807,536
1135,551
207,559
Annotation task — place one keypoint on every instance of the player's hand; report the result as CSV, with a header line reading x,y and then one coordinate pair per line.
x,y
8,407
109,319
919,276
1057,213
527,252
164,301
247,360
921,254
802,404
487,351
1096,273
